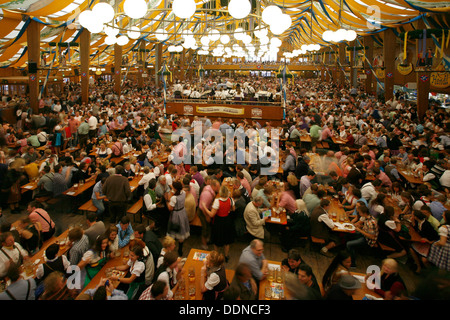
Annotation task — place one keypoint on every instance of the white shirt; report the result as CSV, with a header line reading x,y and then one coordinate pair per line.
x,y
326,219
445,179
13,254
40,269
146,179
92,122
149,205
368,192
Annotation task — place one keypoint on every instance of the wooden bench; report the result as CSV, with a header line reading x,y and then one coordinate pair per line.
x,y
316,242
135,209
88,207
325,145
384,247
196,221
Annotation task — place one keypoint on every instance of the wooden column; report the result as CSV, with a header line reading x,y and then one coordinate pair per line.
x,y
369,85
33,43
389,63
158,61
353,70
141,64
422,77
85,46
342,60
117,69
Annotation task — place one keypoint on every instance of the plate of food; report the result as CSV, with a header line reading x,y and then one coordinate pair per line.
x,y
348,226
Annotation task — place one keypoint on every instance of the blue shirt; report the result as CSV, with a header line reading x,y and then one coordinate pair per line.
x,y
124,235
361,200
97,188
437,209
253,261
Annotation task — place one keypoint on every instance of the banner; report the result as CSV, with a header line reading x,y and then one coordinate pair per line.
x,y
405,70
440,79
380,73
218,109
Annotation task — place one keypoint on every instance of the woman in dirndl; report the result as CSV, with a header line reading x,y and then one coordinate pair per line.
x,y
178,226
429,235
440,250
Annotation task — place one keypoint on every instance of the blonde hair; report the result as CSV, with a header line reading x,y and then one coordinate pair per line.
x,y
216,259
224,192
168,241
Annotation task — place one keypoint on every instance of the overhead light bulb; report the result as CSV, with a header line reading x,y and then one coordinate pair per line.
x,y
135,9
184,9
103,11
239,9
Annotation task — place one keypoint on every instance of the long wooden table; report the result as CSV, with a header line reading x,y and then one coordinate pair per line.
x,y
410,177
182,292
78,189
118,260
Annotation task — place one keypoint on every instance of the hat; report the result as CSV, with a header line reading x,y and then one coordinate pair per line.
x,y
349,282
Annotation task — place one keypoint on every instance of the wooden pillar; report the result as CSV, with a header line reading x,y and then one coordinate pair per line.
x,y
422,77
33,43
353,70
117,69
322,74
341,66
369,85
389,63
158,61
85,44
182,65
141,64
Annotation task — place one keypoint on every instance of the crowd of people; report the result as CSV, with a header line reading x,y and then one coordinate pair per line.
x,y
380,138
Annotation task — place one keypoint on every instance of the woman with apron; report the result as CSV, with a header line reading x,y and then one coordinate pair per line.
x,y
135,276
213,277
94,259
178,227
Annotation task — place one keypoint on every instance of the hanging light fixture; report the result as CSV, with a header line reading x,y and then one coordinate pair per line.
x,y
122,40
239,9
86,18
103,11
134,33
184,9
135,9
270,13
161,34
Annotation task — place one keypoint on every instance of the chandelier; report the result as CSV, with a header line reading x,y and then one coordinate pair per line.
x,y
237,29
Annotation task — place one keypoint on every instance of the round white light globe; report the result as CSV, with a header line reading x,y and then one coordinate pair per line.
x,y
214,35
275,42
134,33
86,18
264,40
340,35
179,48
109,40
225,39
247,39
112,32
96,27
270,13
135,9
239,9
184,9
122,40
103,11
351,35
277,29
161,34
239,33
328,35
171,48
205,40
